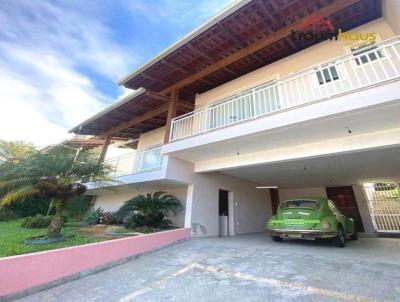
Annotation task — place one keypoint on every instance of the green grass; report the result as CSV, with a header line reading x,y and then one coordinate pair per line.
x,y
12,237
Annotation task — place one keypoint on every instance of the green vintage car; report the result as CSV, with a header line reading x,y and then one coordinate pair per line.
x,y
311,218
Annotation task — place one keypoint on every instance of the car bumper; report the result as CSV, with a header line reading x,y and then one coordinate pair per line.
x,y
289,233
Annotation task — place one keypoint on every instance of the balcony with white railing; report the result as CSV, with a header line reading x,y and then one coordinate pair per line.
x,y
136,162
357,71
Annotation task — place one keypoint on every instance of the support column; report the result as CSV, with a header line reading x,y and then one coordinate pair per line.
x,y
172,108
104,149
188,207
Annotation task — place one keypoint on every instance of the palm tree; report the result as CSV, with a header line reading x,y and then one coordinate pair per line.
x,y
152,208
56,174
13,151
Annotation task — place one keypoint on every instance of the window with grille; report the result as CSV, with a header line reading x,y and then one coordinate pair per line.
x,y
366,53
327,74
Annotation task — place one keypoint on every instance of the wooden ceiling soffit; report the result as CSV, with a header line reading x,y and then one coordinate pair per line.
x,y
185,105
140,119
276,36
147,116
157,96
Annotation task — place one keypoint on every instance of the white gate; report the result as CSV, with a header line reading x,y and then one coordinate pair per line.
x,y
384,205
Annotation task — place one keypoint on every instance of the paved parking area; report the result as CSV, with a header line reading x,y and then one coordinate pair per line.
x,y
246,268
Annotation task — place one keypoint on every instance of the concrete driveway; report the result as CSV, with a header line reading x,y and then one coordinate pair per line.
x,y
246,268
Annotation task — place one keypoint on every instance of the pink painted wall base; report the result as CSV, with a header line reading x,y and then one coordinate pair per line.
x,y
19,273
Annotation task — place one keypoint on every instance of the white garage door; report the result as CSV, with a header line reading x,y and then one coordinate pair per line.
x,y
384,205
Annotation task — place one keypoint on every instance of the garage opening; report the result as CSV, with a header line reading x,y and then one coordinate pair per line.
x,y
384,205
223,213
345,200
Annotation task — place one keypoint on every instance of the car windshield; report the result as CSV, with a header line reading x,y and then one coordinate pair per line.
x,y
300,203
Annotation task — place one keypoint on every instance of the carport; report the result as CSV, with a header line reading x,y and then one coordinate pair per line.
x,y
363,184
246,268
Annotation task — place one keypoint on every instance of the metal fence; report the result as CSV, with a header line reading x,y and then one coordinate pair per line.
x,y
384,205
358,70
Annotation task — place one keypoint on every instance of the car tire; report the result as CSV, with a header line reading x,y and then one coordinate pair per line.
x,y
340,239
354,236
276,238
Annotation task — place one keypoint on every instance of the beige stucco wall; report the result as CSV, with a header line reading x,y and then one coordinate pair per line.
x,y
151,138
251,207
304,59
112,200
391,13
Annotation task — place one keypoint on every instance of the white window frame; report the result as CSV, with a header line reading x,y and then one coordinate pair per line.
x,y
368,46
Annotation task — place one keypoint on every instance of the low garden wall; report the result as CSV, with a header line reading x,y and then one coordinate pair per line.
x,y
20,273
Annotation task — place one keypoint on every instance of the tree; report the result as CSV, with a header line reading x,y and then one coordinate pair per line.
x,y
13,151
149,210
57,174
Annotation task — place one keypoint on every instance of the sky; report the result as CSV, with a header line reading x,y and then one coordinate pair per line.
x,y
60,60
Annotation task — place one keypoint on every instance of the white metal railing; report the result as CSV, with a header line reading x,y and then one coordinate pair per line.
x,y
376,64
136,162
384,205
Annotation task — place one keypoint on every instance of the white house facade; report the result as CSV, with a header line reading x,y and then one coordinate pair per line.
x,y
245,112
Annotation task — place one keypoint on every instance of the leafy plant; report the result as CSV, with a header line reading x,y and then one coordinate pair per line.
x,y
56,174
78,206
149,210
93,216
14,151
30,206
36,222
99,216
7,214
39,221
108,218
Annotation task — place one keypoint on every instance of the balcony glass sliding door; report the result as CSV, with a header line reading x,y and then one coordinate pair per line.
x,y
148,159
250,103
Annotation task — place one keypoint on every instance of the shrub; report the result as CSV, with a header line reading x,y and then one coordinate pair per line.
x,y
149,210
109,218
93,216
134,219
37,222
78,206
7,214
30,207
99,216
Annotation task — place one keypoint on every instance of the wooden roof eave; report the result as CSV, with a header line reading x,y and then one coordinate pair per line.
x,y
283,33
112,123
235,5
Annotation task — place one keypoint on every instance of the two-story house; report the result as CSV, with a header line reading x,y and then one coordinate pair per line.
x,y
268,100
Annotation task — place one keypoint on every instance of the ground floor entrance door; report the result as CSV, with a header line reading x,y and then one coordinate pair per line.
x,y
223,212
274,200
346,202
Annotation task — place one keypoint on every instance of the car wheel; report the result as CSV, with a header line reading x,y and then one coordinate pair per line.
x,y
354,236
276,238
340,239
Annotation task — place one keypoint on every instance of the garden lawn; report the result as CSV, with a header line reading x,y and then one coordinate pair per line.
x,y
12,237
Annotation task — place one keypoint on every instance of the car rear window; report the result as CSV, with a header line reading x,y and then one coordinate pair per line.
x,y
300,203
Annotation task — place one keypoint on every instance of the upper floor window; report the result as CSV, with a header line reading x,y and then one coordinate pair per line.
x,y
327,74
366,53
